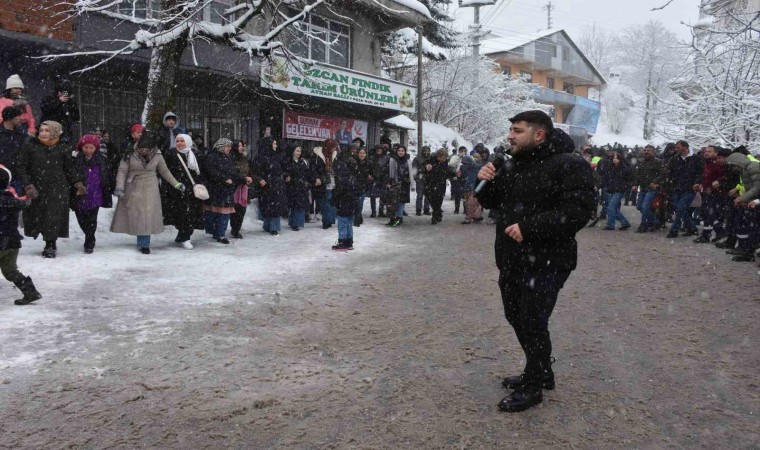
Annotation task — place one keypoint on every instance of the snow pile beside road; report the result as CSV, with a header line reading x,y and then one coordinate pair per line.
x,y
438,136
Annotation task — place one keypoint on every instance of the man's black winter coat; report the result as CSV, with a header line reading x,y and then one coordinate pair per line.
x,y
549,192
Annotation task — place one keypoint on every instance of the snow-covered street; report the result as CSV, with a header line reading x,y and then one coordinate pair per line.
x,y
401,343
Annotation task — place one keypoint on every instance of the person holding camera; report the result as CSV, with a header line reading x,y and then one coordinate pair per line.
x,y
546,195
61,107
14,96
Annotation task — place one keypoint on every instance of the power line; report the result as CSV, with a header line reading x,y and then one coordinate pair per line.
x,y
548,7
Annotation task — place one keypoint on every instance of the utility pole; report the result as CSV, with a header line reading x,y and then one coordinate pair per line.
x,y
549,7
419,89
476,34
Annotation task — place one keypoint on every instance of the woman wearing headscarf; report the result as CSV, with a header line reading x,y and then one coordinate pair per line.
x,y
92,166
325,182
45,168
399,183
222,177
139,211
299,180
271,177
181,208
239,156
365,180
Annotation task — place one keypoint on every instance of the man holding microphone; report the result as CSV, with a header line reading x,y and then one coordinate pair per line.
x,y
546,195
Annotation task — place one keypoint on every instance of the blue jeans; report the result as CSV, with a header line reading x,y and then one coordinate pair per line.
x,y
328,211
681,203
143,241
271,224
400,211
644,205
360,206
613,210
345,227
297,218
605,202
216,224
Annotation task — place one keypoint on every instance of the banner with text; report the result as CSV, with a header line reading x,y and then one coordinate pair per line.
x,y
338,84
313,127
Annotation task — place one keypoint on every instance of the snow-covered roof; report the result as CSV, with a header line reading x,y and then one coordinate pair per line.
x,y
505,44
401,121
414,5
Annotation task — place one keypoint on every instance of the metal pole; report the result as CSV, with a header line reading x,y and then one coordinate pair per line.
x,y
476,47
419,89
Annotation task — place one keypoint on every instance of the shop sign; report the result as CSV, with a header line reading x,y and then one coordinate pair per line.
x,y
313,127
337,84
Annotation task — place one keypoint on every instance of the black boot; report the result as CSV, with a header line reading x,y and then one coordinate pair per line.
x,y
730,242
30,292
418,213
349,244
516,381
521,399
744,256
89,245
49,251
340,246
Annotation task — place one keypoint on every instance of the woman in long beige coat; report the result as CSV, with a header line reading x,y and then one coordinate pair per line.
x,y
139,209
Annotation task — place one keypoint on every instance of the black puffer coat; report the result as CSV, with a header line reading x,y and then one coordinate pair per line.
x,y
435,180
346,192
217,169
401,182
618,179
301,179
10,207
181,209
363,174
269,166
549,192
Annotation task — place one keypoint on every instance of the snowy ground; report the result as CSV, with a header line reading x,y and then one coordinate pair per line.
x,y
282,343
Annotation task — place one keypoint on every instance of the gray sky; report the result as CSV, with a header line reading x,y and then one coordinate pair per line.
x,y
526,16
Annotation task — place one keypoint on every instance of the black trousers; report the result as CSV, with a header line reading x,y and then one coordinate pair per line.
x,y
529,299
88,222
436,196
236,219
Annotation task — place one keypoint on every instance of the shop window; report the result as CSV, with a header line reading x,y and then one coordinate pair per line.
x,y
322,40
550,83
526,76
569,88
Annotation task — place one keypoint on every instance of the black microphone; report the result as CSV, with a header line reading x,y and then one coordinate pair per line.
x,y
498,164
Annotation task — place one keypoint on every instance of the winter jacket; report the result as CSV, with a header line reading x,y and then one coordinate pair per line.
x,y
217,169
64,113
714,172
380,174
549,192
400,180
435,179
320,172
684,173
470,169
618,178
750,176
301,179
10,144
139,211
269,166
418,164
346,193
82,166
51,171
10,207
181,209
363,174
648,172
27,117
167,135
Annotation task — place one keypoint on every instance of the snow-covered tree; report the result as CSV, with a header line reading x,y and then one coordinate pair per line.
x,y
598,45
438,35
656,57
478,112
172,26
618,101
720,89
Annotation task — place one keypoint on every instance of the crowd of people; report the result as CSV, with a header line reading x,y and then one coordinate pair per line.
x,y
676,189
168,177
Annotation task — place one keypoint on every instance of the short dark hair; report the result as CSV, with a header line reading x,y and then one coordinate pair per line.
x,y
535,117
683,143
11,112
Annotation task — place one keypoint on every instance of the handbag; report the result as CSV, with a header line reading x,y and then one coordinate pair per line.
x,y
199,191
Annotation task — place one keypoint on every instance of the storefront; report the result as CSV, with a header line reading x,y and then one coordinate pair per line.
x,y
306,107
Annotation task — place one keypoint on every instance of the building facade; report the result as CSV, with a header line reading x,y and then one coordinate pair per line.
x,y
219,90
566,79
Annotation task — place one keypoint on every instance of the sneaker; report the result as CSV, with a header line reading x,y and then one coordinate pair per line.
x,y
145,250
294,228
418,213
273,233
236,235
396,223
48,252
223,240
187,245
427,213
373,215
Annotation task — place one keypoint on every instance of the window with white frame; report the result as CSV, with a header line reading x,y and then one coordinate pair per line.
x,y
140,8
322,40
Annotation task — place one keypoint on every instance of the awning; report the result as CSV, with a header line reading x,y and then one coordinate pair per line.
x,y
401,121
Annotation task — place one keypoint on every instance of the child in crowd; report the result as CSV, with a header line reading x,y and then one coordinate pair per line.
x,y
93,167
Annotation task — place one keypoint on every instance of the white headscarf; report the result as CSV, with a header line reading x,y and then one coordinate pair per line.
x,y
192,162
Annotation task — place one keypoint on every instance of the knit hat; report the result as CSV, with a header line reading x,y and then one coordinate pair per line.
x,y
5,177
14,81
11,112
220,143
88,139
136,127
